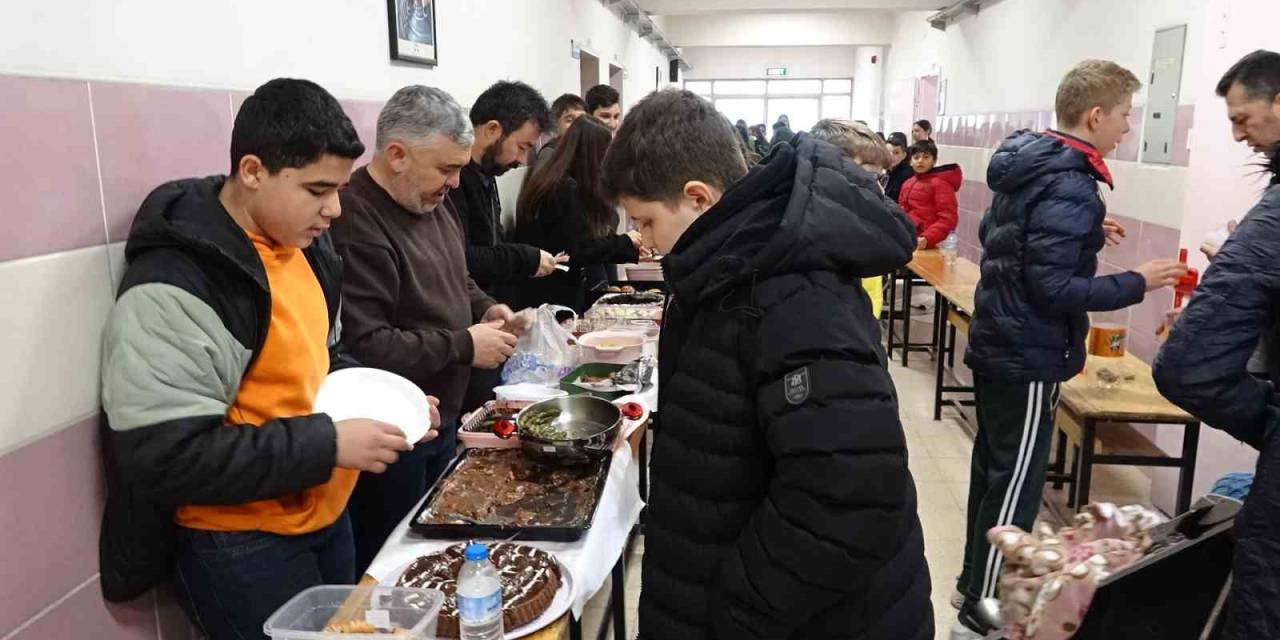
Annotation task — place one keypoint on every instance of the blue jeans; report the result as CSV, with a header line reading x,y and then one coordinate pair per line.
x,y
381,500
229,583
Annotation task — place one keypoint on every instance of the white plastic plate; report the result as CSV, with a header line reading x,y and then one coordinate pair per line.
x,y
375,394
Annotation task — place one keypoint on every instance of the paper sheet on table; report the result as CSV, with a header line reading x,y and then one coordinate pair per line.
x,y
590,560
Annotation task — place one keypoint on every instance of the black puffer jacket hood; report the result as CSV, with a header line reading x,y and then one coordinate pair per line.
x,y
827,214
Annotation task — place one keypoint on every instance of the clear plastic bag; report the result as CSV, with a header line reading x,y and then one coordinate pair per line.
x,y
546,352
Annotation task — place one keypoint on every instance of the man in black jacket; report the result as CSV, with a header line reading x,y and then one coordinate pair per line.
x,y
781,503
1203,368
224,327
1040,242
508,119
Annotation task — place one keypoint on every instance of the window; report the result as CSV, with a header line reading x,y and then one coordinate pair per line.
x,y
749,109
739,87
794,87
837,86
700,88
802,112
762,101
837,106
803,101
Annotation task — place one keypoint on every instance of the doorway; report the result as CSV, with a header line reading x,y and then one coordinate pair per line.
x,y
926,106
589,71
616,76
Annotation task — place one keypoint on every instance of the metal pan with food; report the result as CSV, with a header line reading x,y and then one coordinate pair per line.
x,y
575,429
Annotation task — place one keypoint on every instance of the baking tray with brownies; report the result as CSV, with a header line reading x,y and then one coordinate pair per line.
x,y
502,494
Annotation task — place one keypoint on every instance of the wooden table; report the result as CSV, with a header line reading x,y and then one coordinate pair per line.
x,y
954,285
1085,405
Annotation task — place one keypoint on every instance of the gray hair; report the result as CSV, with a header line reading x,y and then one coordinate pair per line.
x,y
416,111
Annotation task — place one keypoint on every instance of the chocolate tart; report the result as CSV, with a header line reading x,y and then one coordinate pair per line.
x,y
530,579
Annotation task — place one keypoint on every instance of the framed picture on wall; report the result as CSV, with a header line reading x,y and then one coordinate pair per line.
x,y
413,31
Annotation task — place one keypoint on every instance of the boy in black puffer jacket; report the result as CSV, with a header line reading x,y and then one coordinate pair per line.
x,y
781,503
1040,242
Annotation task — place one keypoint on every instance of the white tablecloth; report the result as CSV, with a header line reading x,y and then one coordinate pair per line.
x,y
589,560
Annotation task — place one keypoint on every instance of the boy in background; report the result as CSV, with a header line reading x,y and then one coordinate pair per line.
x,y
869,151
899,168
929,196
1040,239
564,111
220,473
605,103
781,506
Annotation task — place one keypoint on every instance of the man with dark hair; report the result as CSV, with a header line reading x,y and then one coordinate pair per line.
x,y
605,103
564,111
1203,367
899,168
219,472
508,118
408,305
921,130
781,505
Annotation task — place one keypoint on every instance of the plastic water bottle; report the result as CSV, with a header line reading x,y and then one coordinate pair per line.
x,y
479,597
948,248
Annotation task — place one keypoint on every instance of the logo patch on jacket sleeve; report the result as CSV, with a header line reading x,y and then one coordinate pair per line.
x,y
796,386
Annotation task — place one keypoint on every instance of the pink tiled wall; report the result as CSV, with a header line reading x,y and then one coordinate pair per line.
x,y
1145,241
989,129
78,158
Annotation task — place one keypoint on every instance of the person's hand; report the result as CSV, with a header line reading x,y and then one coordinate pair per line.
x,y
921,243
499,312
1170,318
434,411
368,445
548,262
1161,273
636,239
492,345
1209,250
1114,231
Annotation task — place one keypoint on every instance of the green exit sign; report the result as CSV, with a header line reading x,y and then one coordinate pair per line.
x,y
776,71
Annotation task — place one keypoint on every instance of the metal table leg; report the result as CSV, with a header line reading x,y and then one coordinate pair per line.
x,y
907,284
893,312
617,602
1187,469
1059,464
940,341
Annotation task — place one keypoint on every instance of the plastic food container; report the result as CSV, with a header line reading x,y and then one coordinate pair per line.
x,y
514,397
613,346
400,612
483,440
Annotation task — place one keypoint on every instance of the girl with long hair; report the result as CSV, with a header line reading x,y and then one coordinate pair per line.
x,y
561,209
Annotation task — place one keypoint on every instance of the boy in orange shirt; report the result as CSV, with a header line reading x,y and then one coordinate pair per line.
x,y
220,474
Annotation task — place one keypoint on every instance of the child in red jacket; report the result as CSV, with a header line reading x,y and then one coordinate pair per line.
x,y
929,197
